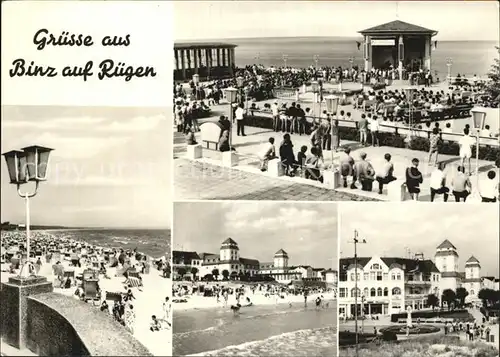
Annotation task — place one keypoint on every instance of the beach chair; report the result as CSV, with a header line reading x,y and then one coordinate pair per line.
x,y
133,274
113,296
91,292
133,282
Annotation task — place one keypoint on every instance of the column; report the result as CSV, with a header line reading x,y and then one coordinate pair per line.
x,y
183,65
195,60
208,56
218,58
400,56
367,46
427,55
232,62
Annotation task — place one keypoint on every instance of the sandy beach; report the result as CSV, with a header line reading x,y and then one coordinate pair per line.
x,y
148,300
259,298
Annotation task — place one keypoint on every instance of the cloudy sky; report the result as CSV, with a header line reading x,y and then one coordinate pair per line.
x,y
110,166
471,228
307,232
455,20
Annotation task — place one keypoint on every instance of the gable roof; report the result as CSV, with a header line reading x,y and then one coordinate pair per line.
x,y
398,26
446,245
408,265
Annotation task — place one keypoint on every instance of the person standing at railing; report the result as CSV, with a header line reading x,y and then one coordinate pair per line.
x,y
413,179
240,120
466,142
276,116
363,129
433,146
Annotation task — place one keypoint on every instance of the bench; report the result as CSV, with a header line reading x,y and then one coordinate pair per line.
x,y
211,133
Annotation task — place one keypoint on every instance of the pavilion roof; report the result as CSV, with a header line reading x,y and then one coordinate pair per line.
x,y
398,26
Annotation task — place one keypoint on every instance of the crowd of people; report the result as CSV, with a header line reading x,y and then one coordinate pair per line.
x,y
79,265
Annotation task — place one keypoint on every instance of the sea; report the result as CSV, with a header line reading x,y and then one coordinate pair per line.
x,y
268,330
468,57
152,242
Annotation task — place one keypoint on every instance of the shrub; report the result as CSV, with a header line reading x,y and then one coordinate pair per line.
x,y
389,336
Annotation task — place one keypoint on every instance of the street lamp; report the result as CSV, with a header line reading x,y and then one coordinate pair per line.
x,y
356,241
332,104
478,119
240,82
27,164
449,63
231,98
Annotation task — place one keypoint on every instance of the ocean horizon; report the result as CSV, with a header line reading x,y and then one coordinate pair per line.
x,y
468,57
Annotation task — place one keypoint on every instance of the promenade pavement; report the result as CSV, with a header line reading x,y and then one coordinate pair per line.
x,y
204,174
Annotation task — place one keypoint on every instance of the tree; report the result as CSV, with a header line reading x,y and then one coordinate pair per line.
x,y
493,86
449,296
225,274
234,275
181,271
194,271
432,300
461,295
215,273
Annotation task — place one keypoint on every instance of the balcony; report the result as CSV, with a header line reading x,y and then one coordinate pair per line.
x,y
418,282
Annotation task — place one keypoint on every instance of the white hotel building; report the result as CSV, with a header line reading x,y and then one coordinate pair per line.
x,y
389,285
229,260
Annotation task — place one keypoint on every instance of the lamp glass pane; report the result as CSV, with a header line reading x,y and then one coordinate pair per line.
x,y
43,160
335,105
31,164
22,168
231,95
314,86
11,161
478,119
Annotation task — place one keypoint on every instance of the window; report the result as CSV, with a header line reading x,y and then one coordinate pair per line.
x,y
386,292
444,267
366,276
396,291
386,276
376,267
379,292
372,292
472,292
353,277
372,275
365,292
353,292
393,276
398,276
379,276
343,292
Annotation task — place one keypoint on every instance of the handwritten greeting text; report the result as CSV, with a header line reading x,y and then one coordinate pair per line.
x,y
107,68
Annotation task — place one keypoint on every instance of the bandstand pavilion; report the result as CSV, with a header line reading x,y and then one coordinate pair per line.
x,y
209,60
398,44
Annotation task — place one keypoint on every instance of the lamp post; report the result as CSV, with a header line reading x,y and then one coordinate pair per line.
x,y
449,63
315,90
231,98
356,241
478,119
363,298
332,103
25,165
